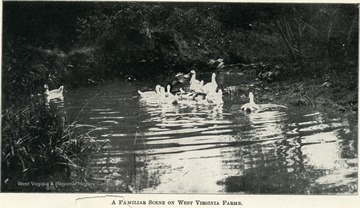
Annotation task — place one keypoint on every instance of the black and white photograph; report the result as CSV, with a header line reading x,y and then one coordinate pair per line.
x,y
219,98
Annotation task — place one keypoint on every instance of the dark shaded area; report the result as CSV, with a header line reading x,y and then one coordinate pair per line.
x,y
99,40
43,24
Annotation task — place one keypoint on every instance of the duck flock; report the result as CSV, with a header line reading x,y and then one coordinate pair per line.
x,y
197,91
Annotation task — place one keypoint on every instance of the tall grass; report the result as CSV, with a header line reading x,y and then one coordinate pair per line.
x,y
38,146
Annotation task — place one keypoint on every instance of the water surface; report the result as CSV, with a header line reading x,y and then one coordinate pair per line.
x,y
193,147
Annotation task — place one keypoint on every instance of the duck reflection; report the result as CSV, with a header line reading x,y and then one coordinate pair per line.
x,y
181,137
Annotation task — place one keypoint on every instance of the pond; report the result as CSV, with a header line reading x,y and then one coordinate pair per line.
x,y
200,148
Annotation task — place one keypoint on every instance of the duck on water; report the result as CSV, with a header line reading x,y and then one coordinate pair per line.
x,y
208,93
251,106
53,94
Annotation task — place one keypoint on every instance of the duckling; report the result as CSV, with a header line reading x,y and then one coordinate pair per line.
x,y
57,93
251,106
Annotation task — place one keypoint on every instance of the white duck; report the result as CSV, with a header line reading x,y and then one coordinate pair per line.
x,y
215,97
149,94
251,106
57,93
168,92
211,86
166,96
195,85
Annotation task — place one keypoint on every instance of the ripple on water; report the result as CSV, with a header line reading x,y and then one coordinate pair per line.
x,y
107,117
170,146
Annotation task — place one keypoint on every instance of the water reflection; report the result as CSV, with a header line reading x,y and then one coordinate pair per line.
x,y
192,147
191,139
301,157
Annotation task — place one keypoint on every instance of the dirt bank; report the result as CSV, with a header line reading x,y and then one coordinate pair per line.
x,y
337,93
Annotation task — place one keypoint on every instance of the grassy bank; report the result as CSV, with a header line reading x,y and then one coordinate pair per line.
x,y
38,146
